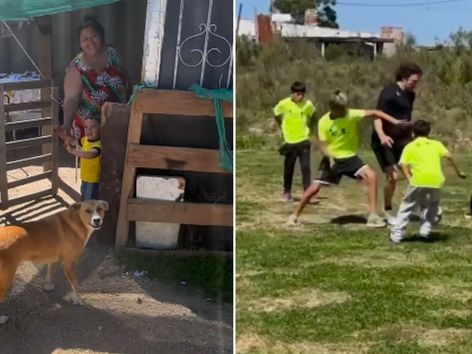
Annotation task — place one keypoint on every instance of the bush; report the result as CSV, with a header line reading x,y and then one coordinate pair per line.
x,y
443,95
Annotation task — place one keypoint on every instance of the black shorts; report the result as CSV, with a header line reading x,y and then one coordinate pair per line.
x,y
387,157
349,167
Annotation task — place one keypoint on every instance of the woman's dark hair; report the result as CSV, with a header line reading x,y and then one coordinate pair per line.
x,y
421,128
298,87
405,70
90,22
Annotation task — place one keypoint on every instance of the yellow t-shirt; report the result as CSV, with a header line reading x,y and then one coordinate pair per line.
x,y
423,156
294,119
90,168
341,134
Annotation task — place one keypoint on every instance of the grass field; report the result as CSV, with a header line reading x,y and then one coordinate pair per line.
x,y
333,286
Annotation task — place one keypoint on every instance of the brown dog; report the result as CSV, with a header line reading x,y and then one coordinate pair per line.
x,y
58,238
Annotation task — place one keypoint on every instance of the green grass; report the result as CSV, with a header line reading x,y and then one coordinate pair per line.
x,y
211,274
328,287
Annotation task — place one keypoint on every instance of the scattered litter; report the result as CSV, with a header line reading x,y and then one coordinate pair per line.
x,y
100,328
139,273
183,282
139,301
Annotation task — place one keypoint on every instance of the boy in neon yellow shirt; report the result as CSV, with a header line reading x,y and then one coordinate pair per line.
x,y
420,162
295,116
339,142
88,148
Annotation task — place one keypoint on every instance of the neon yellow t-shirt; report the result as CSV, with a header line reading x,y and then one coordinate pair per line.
x,y
423,156
90,168
294,119
341,134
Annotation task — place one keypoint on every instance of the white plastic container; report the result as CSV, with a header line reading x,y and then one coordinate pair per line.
x,y
158,235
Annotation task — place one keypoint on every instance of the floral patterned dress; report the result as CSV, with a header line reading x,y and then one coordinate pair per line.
x,y
98,87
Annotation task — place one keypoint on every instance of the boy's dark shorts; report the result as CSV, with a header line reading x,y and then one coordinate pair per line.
x,y
350,167
387,157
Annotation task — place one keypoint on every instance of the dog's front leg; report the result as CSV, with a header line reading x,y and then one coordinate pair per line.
x,y
7,273
73,296
49,286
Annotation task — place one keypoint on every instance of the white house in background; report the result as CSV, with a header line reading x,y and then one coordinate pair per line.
x,y
247,28
282,24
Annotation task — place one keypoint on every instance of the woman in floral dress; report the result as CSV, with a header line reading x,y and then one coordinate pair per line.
x,y
94,77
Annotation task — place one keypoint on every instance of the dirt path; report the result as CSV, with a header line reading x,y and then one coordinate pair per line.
x,y
123,313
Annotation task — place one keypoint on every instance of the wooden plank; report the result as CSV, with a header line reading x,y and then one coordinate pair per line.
x,y
180,213
177,253
29,179
25,124
28,161
129,173
153,41
26,85
18,144
30,197
3,155
25,106
55,143
174,158
174,102
114,122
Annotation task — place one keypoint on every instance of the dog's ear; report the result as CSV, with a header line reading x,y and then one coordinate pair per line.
x,y
75,206
104,204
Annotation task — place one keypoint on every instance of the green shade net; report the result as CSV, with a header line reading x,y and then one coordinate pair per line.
x,y
217,95
226,155
19,10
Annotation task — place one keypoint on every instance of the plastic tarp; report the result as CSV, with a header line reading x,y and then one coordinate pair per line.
x,y
20,10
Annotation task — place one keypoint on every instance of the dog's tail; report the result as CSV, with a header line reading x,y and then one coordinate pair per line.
x,y
11,235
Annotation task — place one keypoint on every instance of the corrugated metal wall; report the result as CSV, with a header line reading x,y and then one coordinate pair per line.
x,y
124,23
124,26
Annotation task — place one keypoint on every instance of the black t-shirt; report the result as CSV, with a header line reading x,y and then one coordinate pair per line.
x,y
399,104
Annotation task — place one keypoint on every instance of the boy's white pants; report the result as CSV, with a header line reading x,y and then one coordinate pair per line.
x,y
416,196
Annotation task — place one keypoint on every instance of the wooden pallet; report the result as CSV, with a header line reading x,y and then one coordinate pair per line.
x,y
179,103
47,141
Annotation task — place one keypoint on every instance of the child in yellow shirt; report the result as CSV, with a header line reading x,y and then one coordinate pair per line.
x,y
420,162
88,149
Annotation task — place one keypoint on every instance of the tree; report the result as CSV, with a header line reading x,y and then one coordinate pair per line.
x,y
325,9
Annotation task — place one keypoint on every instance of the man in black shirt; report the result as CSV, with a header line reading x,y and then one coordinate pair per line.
x,y
388,140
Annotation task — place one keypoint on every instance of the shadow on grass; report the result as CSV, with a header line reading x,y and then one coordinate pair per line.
x,y
434,237
349,219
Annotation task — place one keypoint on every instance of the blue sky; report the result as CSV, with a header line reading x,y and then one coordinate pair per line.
x,y
426,23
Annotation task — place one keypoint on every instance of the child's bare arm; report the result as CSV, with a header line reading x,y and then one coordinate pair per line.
x,y
72,141
324,150
82,154
454,165
406,171
375,113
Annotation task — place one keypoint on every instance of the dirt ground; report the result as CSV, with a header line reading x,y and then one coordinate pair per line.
x,y
123,312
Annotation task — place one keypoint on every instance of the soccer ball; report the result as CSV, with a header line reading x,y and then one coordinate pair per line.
x,y
437,219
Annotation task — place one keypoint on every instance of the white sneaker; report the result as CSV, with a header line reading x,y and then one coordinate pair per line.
x,y
394,240
292,220
375,221
425,229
